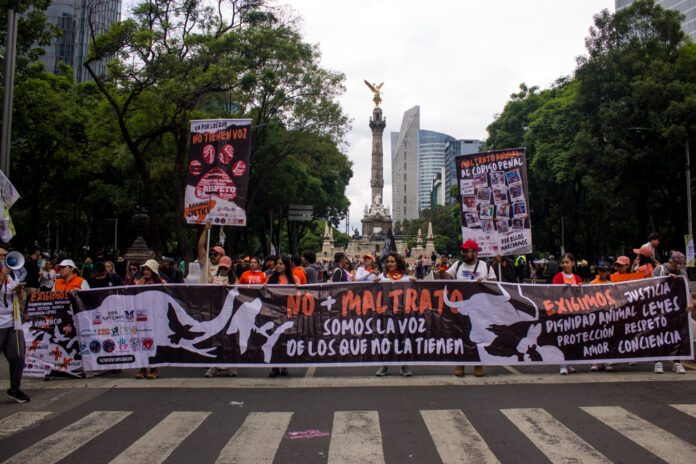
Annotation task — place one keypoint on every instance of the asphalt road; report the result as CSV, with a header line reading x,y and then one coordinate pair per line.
x,y
522,414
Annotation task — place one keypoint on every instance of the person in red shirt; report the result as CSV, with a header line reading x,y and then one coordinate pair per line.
x,y
282,275
297,270
567,277
254,276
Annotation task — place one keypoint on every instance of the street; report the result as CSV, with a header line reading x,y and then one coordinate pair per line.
x,y
525,414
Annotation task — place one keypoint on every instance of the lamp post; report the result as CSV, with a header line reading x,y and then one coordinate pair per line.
x,y
10,52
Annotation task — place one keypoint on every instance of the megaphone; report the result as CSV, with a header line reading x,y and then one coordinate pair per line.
x,y
14,260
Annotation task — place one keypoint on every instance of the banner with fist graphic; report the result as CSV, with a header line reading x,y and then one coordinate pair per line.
x,y
218,172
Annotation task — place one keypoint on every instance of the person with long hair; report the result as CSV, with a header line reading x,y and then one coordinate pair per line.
x,y
149,276
282,275
645,261
394,270
567,277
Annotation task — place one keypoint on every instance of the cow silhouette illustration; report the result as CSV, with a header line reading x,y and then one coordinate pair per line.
x,y
503,329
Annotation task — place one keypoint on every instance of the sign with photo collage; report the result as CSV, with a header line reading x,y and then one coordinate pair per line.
x,y
217,174
495,201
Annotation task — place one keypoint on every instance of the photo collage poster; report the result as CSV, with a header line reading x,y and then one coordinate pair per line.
x,y
494,201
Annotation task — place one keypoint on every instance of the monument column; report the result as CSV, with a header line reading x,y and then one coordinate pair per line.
x,y
377,219
377,125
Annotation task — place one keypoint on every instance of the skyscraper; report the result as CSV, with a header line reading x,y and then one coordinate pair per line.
x,y
417,157
405,167
452,149
79,20
687,7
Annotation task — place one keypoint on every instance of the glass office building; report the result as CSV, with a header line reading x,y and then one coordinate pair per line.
x,y
78,19
418,156
452,149
687,7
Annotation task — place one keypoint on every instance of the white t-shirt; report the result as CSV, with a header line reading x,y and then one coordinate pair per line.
x,y
207,277
471,272
363,274
7,297
385,278
47,278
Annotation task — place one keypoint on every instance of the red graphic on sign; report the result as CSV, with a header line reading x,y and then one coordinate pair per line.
x,y
195,167
239,168
209,154
226,154
216,183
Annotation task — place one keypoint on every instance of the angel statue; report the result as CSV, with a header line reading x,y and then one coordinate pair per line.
x,y
376,90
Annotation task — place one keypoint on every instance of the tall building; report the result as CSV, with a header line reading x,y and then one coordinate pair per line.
x,y
417,157
687,7
79,20
431,161
404,156
452,149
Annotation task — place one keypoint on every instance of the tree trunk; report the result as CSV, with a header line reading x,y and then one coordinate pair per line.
x,y
178,187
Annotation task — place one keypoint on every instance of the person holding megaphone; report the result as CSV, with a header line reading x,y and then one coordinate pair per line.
x,y
11,334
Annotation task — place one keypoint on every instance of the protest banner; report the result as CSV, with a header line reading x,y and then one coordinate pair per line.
x,y
51,338
401,323
494,201
218,172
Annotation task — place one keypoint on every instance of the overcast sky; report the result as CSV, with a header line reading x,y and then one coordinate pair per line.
x,y
458,59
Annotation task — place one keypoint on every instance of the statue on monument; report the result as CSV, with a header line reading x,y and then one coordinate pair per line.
x,y
376,89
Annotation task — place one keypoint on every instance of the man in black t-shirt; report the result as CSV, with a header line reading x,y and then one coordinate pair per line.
x,y
31,265
102,279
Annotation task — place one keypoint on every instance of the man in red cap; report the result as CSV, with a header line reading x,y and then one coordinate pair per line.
x,y
367,271
209,264
469,268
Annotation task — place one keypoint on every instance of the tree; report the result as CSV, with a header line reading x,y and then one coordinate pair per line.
x,y
178,60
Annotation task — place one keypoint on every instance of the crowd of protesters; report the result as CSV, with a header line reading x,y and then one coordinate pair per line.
x,y
42,272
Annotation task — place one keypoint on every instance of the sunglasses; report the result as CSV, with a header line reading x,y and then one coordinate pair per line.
x,y
223,268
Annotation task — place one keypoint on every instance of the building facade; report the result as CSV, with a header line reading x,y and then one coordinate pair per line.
x,y
404,156
687,7
417,157
455,148
79,20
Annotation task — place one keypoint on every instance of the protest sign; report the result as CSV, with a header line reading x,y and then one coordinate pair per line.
x,y
51,338
218,172
494,201
402,323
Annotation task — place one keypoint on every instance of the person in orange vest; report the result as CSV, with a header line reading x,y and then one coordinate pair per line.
x,y
68,280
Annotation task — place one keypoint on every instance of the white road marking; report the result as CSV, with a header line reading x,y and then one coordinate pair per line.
x,y
57,446
159,442
20,421
660,442
356,438
365,381
257,440
689,409
456,439
511,370
555,440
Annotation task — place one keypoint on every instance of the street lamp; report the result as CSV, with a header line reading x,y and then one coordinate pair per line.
x,y
10,52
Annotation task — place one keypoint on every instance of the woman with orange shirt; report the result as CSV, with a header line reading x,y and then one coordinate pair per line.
x,y
254,276
282,275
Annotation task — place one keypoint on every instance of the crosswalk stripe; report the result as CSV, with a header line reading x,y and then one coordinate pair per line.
x,y
257,440
57,446
689,409
554,439
456,439
658,441
20,420
158,443
356,438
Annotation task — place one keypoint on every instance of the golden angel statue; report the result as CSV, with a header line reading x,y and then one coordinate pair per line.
x,y
376,90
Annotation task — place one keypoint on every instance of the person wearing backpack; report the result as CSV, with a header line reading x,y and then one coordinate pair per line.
x,y
339,273
469,268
